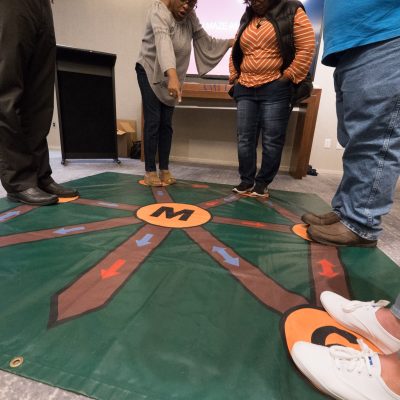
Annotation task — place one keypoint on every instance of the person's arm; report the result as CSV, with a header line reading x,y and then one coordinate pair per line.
x,y
174,86
233,73
304,41
160,23
208,50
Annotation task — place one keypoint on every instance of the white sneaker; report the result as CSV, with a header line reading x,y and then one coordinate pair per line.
x,y
342,372
360,317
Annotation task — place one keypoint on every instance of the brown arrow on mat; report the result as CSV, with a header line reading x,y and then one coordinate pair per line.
x,y
265,289
253,224
69,230
328,272
95,288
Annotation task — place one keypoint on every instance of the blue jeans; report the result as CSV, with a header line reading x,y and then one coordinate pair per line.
x,y
367,84
158,131
262,110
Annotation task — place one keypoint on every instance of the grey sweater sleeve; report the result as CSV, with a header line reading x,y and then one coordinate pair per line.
x,y
165,56
208,51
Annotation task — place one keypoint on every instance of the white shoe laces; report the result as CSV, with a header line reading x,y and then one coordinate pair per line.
x,y
354,305
353,360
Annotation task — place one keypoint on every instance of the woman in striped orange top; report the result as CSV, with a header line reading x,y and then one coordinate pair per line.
x,y
263,85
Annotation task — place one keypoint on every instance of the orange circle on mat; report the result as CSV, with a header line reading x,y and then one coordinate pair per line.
x,y
303,322
173,215
67,199
301,230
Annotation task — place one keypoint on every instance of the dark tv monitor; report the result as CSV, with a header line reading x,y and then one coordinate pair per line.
x,y
220,18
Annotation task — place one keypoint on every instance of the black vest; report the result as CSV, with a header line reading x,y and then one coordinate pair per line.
x,y
282,18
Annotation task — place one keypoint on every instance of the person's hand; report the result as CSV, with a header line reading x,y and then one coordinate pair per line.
x,y
174,89
174,86
284,78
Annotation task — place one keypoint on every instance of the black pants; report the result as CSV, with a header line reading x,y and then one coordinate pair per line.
x,y
27,72
157,125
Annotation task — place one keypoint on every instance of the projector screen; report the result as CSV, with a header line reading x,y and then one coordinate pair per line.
x,y
220,18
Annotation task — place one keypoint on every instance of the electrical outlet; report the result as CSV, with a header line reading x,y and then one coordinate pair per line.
x,y
327,143
54,124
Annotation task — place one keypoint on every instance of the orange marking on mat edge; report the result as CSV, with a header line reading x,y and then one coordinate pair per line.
x,y
301,230
67,199
303,322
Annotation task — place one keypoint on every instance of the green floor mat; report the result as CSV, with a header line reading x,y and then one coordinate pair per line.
x,y
180,292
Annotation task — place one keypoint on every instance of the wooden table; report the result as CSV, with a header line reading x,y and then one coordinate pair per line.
x,y
304,134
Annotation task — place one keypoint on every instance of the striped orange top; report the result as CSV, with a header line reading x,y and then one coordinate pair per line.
x,y
262,60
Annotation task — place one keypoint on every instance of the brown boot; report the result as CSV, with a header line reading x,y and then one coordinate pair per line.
x,y
152,179
166,177
322,219
338,234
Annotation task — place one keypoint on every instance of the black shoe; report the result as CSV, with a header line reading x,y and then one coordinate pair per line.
x,y
34,197
243,188
260,190
59,190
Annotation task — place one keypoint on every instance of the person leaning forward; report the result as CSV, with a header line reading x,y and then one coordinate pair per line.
x,y
171,27
27,73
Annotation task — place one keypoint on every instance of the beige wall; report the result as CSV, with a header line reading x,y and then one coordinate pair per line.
x,y
116,26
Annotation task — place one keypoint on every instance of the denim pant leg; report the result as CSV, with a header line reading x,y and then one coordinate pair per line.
x,y
274,118
247,132
157,124
396,307
367,81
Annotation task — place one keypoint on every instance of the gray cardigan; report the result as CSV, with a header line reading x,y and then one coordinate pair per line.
x,y
167,44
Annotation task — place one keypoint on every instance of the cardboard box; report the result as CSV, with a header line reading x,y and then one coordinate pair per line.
x,y
126,135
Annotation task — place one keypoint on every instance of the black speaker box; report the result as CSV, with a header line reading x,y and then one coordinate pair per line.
x,y
86,104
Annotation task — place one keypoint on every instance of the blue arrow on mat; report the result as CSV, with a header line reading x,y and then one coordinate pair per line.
x,y
102,203
64,231
9,215
230,198
145,240
227,258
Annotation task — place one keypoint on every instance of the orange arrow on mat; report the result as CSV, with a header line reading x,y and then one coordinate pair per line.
x,y
212,203
327,269
113,270
251,223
